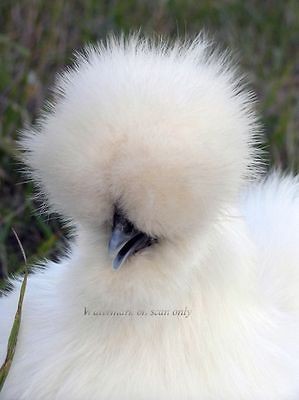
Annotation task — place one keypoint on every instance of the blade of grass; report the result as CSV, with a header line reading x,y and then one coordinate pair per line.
x,y
13,337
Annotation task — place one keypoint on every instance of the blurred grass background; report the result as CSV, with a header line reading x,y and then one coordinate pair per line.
x,y
37,39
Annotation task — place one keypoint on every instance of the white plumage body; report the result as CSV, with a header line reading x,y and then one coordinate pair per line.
x,y
169,135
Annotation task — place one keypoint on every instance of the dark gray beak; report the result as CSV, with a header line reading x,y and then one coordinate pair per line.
x,y
126,240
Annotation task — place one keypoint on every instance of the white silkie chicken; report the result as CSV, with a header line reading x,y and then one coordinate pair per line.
x,y
183,279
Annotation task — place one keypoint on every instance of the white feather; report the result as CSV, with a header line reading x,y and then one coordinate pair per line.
x,y
167,132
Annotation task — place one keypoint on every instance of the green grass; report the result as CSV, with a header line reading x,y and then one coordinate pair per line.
x,y
13,337
37,39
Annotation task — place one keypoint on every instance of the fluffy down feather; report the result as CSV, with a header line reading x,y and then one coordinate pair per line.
x,y
167,132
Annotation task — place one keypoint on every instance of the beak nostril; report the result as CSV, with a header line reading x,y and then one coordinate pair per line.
x,y
120,220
